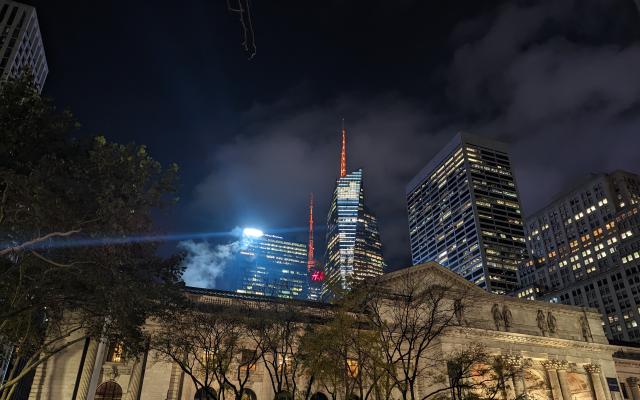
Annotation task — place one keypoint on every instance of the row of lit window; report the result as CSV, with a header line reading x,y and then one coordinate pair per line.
x,y
630,257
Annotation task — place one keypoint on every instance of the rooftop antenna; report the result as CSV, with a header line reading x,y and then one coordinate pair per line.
x,y
311,262
343,152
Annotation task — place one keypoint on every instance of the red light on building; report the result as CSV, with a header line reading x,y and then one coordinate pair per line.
x,y
317,276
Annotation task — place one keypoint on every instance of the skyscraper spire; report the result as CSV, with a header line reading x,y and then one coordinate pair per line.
x,y
343,152
311,262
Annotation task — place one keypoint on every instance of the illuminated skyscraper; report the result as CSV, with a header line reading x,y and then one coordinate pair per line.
x,y
354,249
21,43
585,251
465,214
268,265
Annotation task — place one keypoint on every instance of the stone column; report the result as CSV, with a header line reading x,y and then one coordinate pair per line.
x,y
562,378
97,369
594,375
134,382
515,363
87,370
632,382
551,366
174,382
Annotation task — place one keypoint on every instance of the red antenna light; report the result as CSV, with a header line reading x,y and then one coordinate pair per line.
x,y
317,276
311,262
343,153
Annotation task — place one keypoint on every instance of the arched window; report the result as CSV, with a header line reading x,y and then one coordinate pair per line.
x,y
248,394
205,394
109,391
319,396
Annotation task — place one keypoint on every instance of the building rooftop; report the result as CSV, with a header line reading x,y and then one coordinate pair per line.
x,y
447,150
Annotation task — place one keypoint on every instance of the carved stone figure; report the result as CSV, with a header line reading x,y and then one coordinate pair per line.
x,y
112,373
458,309
586,330
542,323
552,322
497,316
507,318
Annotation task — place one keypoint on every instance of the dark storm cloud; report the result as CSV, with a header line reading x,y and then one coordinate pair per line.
x,y
557,80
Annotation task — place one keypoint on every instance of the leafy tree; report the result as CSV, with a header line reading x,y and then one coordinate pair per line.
x,y
210,346
69,207
344,354
277,330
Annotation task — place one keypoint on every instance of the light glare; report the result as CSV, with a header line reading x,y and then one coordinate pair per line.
x,y
252,232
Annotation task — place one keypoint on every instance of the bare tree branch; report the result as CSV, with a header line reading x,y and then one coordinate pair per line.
x,y
37,240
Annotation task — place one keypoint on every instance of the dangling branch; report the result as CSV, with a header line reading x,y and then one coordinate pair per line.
x,y
243,10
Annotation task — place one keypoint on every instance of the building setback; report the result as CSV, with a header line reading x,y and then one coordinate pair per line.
x,y
464,213
21,45
585,251
354,248
269,265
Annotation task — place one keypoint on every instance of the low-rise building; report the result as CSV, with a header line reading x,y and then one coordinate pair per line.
x,y
556,351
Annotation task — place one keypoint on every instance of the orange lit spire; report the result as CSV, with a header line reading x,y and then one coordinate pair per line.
x,y
311,262
343,152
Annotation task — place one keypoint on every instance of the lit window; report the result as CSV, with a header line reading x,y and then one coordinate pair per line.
x,y
116,352
352,367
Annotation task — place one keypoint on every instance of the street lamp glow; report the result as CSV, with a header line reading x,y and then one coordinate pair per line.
x,y
252,232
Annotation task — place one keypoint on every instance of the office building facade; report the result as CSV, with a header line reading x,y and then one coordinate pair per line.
x,y
585,250
464,213
269,265
21,47
354,247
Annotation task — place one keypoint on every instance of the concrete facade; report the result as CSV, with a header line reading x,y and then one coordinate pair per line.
x,y
21,43
561,351
464,213
585,251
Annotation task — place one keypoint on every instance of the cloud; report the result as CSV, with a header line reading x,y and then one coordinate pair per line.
x,y
264,179
205,263
556,80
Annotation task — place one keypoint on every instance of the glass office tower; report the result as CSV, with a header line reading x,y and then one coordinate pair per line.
x,y
464,213
268,265
354,249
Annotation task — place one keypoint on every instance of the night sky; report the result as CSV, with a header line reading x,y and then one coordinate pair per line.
x,y
558,80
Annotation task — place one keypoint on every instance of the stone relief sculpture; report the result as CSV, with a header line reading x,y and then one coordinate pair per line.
x,y
458,309
542,323
507,318
112,373
586,330
552,322
497,316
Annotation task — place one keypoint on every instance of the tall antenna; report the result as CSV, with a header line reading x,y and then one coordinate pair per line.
x,y
343,152
311,262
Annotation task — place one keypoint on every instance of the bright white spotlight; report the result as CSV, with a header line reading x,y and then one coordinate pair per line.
x,y
252,232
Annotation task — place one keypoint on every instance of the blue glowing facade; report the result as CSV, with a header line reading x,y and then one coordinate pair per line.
x,y
268,265
354,249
